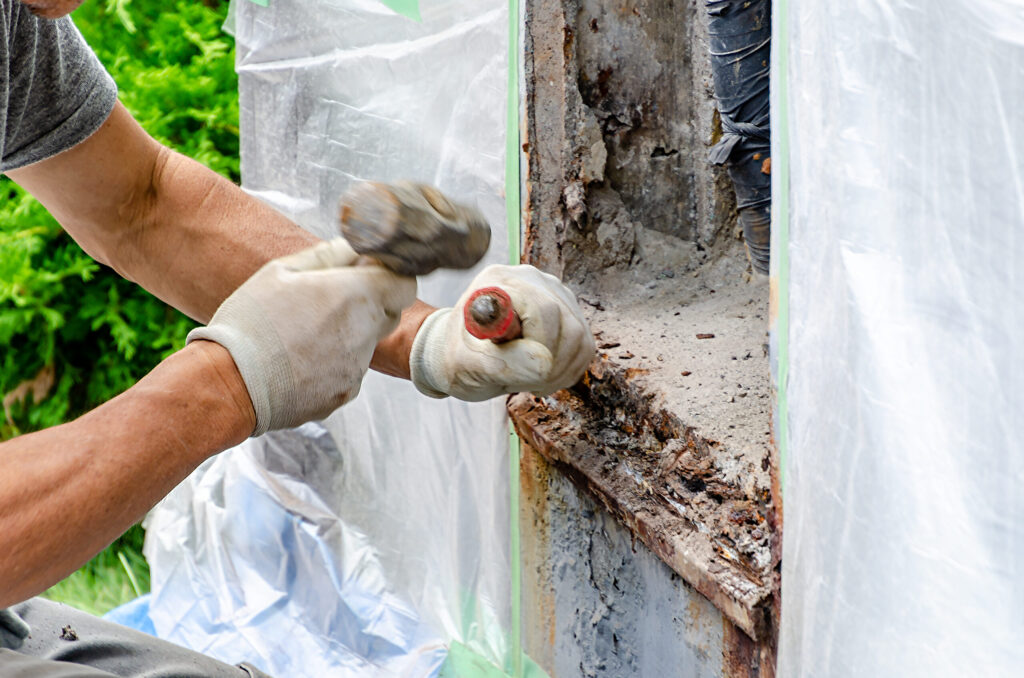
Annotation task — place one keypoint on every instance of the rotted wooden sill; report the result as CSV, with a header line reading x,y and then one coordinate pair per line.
x,y
665,481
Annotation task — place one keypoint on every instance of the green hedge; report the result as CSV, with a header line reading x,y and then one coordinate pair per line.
x,y
61,313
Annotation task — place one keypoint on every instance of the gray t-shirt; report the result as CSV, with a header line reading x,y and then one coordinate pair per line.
x,y
54,92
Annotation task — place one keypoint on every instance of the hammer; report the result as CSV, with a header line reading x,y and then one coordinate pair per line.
x,y
414,229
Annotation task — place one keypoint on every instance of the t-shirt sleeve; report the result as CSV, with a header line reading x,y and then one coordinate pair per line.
x,y
58,92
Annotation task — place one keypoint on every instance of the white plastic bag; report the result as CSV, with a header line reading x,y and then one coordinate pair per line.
x,y
366,551
904,489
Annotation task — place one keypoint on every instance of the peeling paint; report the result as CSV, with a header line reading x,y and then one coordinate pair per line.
x,y
623,205
617,610
662,482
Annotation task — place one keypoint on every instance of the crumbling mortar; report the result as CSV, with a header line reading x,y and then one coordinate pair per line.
x,y
583,221
670,460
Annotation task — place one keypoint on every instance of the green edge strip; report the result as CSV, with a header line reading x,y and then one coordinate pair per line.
x,y
516,589
463,662
512,206
407,8
512,220
780,228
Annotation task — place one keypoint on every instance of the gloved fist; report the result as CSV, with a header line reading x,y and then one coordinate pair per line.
x,y
303,328
552,354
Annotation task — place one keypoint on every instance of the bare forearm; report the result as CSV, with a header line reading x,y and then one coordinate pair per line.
x,y
183,232
180,230
203,237
68,491
392,354
236,234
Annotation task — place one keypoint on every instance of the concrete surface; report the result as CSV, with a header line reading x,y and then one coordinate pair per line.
x,y
596,606
670,431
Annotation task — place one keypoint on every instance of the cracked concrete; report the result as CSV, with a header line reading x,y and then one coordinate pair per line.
x,y
670,432
601,606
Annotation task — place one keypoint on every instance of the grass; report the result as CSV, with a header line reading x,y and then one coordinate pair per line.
x,y
117,575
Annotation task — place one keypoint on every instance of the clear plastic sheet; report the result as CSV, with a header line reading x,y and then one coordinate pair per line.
x,y
904,489
367,547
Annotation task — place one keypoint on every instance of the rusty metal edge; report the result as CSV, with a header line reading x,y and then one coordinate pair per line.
x,y
679,551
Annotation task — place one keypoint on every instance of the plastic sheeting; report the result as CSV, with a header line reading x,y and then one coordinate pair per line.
x,y
365,548
904,488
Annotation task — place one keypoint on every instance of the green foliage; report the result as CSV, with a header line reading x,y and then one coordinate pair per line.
x,y
175,70
60,312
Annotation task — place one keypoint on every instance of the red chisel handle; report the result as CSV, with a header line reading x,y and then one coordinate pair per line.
x,y
489,314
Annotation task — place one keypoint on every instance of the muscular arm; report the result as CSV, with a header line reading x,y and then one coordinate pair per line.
x,y
180,230
68,491
190,237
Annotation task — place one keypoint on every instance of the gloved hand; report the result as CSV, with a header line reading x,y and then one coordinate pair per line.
x,y
303,328
553,352
13,630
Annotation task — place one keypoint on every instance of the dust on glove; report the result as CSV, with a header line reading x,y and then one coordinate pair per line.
x,y
552,354
303,328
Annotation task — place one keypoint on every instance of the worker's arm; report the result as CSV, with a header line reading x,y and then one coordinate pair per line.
x,y
68,491
180,230
183,232
290,345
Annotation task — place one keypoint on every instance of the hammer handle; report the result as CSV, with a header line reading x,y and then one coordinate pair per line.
x,y
489,314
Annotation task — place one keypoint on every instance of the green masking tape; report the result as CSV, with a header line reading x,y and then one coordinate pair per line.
x,y
780,226
407,8
512,220
463,662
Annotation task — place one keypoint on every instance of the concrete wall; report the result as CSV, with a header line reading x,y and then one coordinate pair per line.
x,y
620,116
597,603
645,554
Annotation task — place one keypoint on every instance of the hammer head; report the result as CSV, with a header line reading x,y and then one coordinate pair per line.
x,y
412,228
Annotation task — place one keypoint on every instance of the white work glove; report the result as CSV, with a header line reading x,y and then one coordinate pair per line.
x,y
303,328
552,354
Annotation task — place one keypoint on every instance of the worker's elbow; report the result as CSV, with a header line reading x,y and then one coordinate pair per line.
x,y
124,243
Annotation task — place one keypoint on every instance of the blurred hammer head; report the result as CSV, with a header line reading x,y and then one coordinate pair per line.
x,y
412,228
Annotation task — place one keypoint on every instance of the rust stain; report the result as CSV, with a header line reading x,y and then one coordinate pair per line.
x,y
716,128
595,431
739,654
534,482
694,612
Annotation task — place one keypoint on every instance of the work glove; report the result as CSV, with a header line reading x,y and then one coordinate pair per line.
x,y
13,630
553,353
303,328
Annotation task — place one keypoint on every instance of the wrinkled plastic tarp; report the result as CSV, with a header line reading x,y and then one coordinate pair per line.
x,y
365,548
904,489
